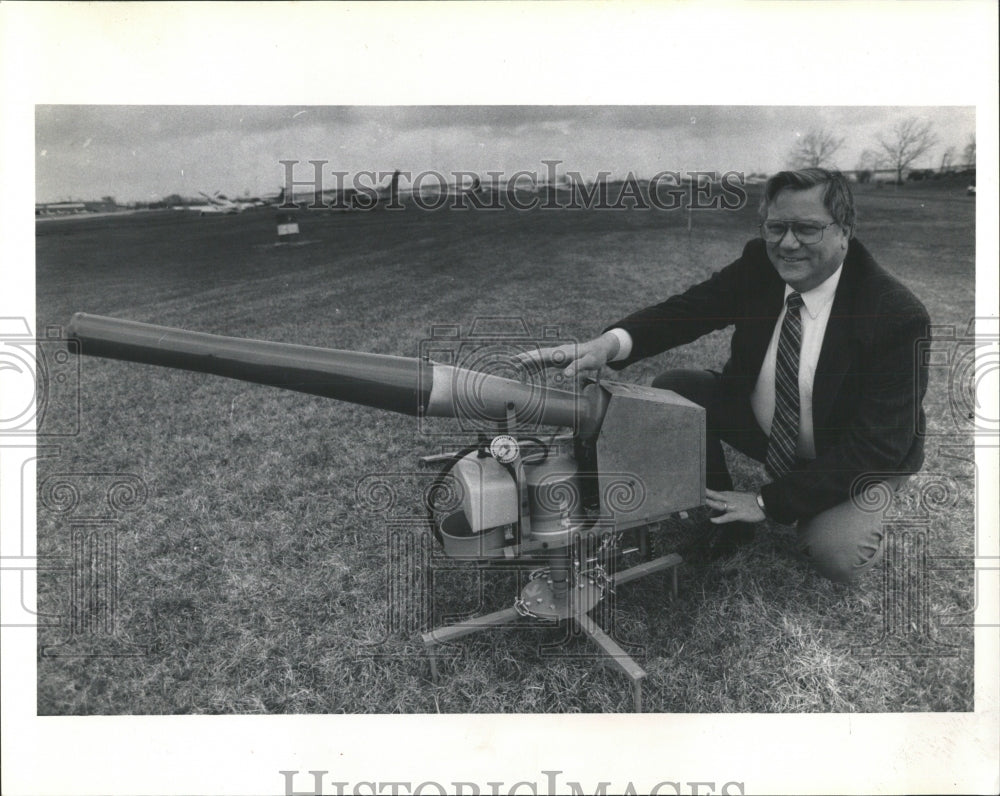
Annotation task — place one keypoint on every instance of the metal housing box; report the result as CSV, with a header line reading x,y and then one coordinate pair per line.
x,y
650,455
489,494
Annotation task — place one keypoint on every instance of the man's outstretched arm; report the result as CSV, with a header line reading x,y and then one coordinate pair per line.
x,y
575,359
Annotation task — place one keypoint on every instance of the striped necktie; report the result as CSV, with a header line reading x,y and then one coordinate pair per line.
x,y
785,423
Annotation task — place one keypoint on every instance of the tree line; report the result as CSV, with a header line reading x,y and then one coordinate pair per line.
x,y
898,148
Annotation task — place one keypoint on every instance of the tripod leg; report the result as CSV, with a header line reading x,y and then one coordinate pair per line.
x,y
617,655
432,657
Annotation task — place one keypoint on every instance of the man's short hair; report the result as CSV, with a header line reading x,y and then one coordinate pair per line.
x,y
837,198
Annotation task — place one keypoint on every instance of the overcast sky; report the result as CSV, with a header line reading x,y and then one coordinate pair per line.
x,y
136,152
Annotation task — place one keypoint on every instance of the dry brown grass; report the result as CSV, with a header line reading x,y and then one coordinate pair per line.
x,y
255,582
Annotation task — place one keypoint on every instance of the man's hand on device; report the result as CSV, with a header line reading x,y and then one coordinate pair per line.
x,y
575,359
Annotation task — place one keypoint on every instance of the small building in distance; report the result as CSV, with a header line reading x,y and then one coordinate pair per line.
x,y
106,204
60,208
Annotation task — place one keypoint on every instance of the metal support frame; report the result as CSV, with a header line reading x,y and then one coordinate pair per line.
x,y
583,621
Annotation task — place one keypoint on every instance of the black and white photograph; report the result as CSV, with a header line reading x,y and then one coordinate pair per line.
x,y
499,428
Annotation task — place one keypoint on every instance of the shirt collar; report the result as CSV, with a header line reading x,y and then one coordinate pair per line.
x,y
821,295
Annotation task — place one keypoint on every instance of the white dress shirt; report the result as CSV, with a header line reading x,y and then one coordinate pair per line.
x,y
815,314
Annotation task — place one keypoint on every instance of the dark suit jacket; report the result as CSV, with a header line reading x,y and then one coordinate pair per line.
x,y
869,386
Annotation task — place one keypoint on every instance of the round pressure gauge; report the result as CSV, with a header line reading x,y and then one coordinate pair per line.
x,y
504,448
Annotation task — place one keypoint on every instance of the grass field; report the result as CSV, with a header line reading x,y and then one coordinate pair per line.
x,y
255,578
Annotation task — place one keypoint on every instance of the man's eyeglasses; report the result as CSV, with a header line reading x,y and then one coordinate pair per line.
x,y
804,231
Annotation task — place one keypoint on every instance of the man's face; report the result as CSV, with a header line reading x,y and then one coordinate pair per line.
x,y
804,266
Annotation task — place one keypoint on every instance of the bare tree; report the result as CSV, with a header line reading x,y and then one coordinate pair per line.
x,y
947,160
871,159
970,152
907,141
815,148
868,161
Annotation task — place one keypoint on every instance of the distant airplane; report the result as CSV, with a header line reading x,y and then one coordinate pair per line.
x,y
218,203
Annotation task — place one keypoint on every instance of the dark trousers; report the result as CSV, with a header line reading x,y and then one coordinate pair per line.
x,y
841,543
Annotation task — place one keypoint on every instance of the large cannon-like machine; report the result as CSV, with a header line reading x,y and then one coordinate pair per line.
x,y
629,457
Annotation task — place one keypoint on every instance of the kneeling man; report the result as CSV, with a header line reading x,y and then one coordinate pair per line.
x,y
822,382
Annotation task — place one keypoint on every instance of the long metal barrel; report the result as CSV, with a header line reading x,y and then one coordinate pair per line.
x,y
397,384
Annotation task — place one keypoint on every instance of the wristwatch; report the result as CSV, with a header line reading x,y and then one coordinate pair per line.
x,y
760,503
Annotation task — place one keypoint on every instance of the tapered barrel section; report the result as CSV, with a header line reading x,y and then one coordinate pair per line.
x,y
396,384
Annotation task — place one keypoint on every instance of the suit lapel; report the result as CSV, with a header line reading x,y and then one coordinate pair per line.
x,y
763,308
764,297
835,354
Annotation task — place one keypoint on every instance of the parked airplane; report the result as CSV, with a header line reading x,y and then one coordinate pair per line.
x,y
220,204
217,204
